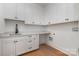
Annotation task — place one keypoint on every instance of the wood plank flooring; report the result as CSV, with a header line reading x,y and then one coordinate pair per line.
x,y
45,50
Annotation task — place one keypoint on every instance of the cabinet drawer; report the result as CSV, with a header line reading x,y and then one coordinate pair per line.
x,y
30,42
30,47
31,36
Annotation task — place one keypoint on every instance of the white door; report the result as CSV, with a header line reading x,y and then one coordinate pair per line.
x,y
10,10
20,11
21,46
8,47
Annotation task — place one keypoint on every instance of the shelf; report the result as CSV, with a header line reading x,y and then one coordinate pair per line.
x,y
40,23
54,23
35,24
13,20
63,22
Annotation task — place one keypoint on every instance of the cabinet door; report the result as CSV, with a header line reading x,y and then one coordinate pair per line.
x,y
32,43
10,10
1,19
70,11
21,46
30,39
8,47
76,11
36,42
20,11
0,47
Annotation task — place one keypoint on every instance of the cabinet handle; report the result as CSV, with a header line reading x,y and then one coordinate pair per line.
x,y
16,17
15,41
34,38
30,36
30,48
30,41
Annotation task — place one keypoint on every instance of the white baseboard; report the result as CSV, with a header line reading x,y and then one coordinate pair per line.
x,y
62,50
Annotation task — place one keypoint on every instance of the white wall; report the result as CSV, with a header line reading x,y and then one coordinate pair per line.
x,y
64,38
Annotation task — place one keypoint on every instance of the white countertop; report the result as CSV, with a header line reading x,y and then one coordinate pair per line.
x,y
21,35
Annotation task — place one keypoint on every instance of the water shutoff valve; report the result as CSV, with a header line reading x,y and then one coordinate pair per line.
x,y
50,38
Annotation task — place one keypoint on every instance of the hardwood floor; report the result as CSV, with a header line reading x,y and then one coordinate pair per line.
x,y
45,50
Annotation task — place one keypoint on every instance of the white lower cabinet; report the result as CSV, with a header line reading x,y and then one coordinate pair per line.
x,y
8,47
33,43
36,42
19,45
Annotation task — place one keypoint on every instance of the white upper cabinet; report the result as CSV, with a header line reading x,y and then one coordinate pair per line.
x,y
55,13
70,10
2,24
37,15
60,13
20,11
33,14
10,10
14,11
76,9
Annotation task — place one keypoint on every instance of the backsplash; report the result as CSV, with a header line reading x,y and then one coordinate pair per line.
x,y
23,28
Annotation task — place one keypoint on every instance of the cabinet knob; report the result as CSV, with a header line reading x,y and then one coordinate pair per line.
x,y
15,41
66,19
30,48
30,41
30,36
34,38
16,17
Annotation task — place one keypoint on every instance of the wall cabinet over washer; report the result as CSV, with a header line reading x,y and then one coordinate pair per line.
x,y
14,11
10,10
